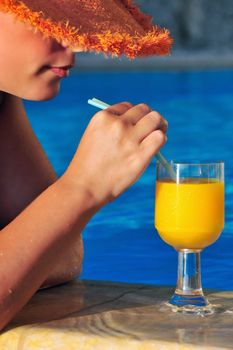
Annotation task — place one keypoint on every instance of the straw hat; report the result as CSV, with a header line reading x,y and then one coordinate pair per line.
x,y
113,27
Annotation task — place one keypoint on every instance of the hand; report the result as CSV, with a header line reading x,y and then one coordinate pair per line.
x,y
115,149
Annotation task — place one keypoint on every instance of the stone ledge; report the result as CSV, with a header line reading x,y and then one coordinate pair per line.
x,y
103,316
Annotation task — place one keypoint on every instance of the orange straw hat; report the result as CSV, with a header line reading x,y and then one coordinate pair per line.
x,y
113,27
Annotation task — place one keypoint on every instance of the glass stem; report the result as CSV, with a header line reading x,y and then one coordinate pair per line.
x,y
188,293
189,273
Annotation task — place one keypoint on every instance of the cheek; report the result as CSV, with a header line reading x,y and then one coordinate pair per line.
x,y
13,54
10,65
7,49
39,46
19,73
22,48
22,55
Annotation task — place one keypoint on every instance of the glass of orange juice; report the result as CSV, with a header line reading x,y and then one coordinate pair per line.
x,y
189,216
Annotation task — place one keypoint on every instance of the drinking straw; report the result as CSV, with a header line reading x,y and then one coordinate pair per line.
x,y
102,105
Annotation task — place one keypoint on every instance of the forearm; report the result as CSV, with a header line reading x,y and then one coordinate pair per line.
x,y
32,243
68,266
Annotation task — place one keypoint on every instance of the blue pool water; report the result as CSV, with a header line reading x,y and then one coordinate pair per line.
x,y
121,243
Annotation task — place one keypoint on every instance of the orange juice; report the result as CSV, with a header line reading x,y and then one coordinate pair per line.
x,y
189,215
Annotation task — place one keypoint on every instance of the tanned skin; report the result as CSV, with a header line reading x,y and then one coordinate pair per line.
x,y
42,216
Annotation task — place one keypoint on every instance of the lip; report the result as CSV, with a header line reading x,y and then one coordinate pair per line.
x,y
61,72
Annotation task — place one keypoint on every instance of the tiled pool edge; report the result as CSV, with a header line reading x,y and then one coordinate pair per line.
x,y
101,315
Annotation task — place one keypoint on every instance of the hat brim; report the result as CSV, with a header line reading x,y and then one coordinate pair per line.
x,y
113,27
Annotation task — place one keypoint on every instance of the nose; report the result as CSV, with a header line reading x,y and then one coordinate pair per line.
x,y
63,53
59,46
76,49
64,45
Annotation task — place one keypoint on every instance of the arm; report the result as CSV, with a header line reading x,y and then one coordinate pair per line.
x,y
33,242
25,172
116,148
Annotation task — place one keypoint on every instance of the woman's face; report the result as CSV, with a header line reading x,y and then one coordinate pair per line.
x,y
29,62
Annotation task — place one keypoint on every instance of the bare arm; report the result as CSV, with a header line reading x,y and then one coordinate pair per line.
x,y
116,148
25,172
32,243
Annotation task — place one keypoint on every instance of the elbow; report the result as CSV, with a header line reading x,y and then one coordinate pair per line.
x,y
58,279
8,307
2,325
5,318
64,274
68,268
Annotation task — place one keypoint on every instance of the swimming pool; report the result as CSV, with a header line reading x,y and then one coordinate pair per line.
x,y
121,243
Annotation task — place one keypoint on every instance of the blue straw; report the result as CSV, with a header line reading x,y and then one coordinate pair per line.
x,y
102,105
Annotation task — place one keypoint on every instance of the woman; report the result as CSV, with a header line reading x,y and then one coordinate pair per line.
x,y
42,216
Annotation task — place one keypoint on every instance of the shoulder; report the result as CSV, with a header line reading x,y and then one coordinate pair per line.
x,y
11,108
1,97
7,100
14,124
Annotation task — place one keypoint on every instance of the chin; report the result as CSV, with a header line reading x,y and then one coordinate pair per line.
x,y
43,94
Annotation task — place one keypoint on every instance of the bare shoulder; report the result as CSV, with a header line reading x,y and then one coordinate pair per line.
x,y
16,134
25,169
1,97
12,113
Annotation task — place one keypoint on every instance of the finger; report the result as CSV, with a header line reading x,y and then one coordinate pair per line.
x,y
134,114
152,144
119,108
151,122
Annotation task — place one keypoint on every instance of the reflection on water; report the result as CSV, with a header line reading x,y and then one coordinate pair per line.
x,y
120,242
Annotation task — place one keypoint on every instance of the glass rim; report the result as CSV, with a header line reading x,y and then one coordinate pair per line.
x,y
194,163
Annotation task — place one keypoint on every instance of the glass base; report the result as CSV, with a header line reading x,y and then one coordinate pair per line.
x,y
191,304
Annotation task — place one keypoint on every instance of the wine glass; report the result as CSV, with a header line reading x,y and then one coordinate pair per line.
x,y
189,216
